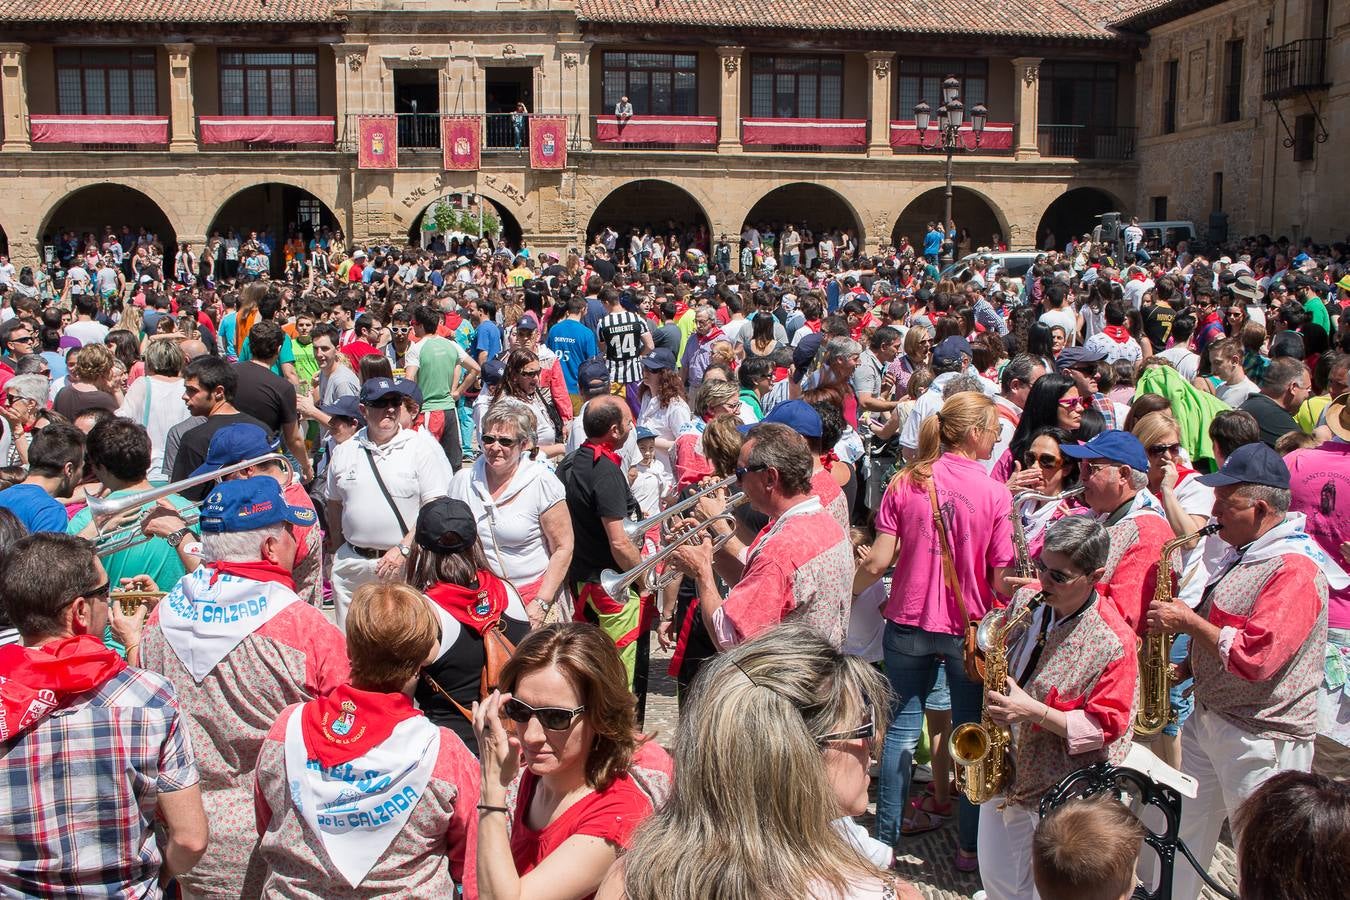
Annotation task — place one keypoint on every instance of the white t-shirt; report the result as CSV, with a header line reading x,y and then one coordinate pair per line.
x,y
1129,351
158,405
1066,319
414,469
509,527
652,482
1186,362
1235,394
665,422
87,333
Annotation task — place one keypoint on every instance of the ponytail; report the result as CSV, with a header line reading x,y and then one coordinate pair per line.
x,y
944,430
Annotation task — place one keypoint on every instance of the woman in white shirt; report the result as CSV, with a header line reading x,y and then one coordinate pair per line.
x,y
156,401
520,507
662,409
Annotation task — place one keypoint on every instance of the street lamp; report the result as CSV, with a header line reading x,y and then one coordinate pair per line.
x,y
951,116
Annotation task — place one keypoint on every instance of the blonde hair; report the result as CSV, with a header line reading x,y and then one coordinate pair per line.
x,y
390,632
1151,428
750,812
94,364
711,394
722,442
946,429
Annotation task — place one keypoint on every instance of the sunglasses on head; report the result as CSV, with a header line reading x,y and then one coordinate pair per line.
x,y
553,718
507,442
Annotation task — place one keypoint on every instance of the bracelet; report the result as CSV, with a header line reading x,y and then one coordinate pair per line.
x,y
131,647
484,807
1045,715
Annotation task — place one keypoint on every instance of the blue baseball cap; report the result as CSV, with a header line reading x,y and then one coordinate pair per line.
x,y
951,350
233,444
795,414
249,504
593,377
1251,464
659,359
347,407
375,388
1117,446
644,434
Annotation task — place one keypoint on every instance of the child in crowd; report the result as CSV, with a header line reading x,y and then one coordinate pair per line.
x,y
1087,850
651,480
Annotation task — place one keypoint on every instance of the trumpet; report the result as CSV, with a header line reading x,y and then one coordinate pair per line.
x,y
131,599
616,584
636,530
108,543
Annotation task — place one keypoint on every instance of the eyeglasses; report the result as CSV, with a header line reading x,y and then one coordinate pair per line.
x,y
1092,468
1160,449
507,442
530,373
1044,460
866,731
742,471
1056,575
1072,403
554,718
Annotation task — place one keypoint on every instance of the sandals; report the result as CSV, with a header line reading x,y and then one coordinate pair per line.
x,y
966,862
925,815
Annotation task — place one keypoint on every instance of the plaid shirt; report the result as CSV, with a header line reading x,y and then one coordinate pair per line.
x,y
78,793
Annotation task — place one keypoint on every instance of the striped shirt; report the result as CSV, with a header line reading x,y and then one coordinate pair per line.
x,y
621,333
78,792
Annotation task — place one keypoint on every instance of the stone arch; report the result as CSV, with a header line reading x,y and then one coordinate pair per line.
x,y
1075,212
324,189
278,206
92,206
648,202
511,230
817,206
971,208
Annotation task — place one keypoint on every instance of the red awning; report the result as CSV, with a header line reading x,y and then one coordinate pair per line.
x,y
267,129
997,135
656,129
822,132
47,129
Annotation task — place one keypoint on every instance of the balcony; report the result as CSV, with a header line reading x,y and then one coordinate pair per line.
x,y
423,131
123,132
1086,141
1294,68
805,135
997,137
267,132
656,132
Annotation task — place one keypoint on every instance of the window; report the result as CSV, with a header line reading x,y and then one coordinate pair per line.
x,y
269,83
1079,93
1216,193
921,79
657,84
1159,205
1232,81
796,87
1169,106
1305,143
106,82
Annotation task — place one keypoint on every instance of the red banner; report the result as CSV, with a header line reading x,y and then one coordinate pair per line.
x,y
461,143
997,135
818,132
267,129
99,129
656,129
378,142
548,142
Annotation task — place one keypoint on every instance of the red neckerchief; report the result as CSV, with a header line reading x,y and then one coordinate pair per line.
x,y
253,571
1139,276
1118,333
37,681
713,335
681,308
474,607
814,325
599,450
350,722
780,373
828,459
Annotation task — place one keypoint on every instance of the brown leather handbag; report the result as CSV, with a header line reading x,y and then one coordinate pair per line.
x,y
974,660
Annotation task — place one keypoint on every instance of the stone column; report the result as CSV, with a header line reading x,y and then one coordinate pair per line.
x,y
182,109
1026,106
729,113
574,92
14,96
881,62
348,59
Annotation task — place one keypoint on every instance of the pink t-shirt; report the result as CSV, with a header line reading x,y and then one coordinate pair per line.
x,y
975,512
1319,478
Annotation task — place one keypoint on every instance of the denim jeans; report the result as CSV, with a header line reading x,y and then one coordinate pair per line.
x,y
911,659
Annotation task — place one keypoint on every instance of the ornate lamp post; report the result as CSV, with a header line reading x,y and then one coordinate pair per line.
x,y
951,116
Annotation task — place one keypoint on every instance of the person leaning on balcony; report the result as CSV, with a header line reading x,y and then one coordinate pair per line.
x,y
623,109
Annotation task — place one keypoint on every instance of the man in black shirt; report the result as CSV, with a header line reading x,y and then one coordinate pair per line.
x,y
209,383
1283,389
600,502
269,397
1158,316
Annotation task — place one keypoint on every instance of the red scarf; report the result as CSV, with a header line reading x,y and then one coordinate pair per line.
x,y
253,571
828,459
475,608
717,334
349,722
37,681
599,450
1118,333
780,373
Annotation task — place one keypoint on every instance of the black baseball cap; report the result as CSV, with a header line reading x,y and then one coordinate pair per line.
x,y
1251,464
446,526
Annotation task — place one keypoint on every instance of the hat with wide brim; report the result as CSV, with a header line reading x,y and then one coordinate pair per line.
x,y
1338,417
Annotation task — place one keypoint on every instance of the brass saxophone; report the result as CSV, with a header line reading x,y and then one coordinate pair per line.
x,y
980,751
1154,711
1025,567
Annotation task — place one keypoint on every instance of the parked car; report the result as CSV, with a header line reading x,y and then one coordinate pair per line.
x,y
1014,264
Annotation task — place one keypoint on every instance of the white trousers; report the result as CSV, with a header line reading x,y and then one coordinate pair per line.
x,y
1005,851
350,571
1229,765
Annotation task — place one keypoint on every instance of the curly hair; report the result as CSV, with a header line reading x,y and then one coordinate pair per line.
x,y
94,363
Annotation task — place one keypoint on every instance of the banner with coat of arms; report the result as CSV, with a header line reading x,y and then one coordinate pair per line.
x,y
378,142
548,142
461,143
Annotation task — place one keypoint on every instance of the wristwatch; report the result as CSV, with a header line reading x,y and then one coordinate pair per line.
x,y
176,537
405,550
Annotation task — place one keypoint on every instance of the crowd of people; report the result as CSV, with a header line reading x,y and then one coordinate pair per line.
x,y
346,581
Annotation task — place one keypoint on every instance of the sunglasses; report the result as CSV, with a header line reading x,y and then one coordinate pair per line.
x,y
1073,402
865,731
1056,575
742,471
530,373
385,403
23,340
1044,460
553,718
102,591
507,442
1160,449
400,330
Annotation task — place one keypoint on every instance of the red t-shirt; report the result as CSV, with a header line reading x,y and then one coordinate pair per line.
x,y
612,814
357,349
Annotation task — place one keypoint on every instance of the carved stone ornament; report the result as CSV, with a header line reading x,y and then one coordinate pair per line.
x,y
731,64
414,50
571,60
355,58
1030,74
509,50
881,67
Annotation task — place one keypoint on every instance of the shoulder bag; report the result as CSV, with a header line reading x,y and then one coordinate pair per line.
x,y
974,663
402,525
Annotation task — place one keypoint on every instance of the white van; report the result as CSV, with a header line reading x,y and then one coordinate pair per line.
x,y
1166,234
1011,264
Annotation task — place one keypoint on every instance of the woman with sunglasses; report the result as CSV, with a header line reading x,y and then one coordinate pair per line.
x,y
1187,502
25,410
1068,700
521,382
1057,473
918,347
518,502
1053,401
785,709
562,766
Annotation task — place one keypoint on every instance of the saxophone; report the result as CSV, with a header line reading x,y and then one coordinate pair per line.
x,y
980,751
1155,665
1025,567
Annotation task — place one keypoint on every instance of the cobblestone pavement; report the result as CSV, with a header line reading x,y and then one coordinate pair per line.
x,y
925,860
